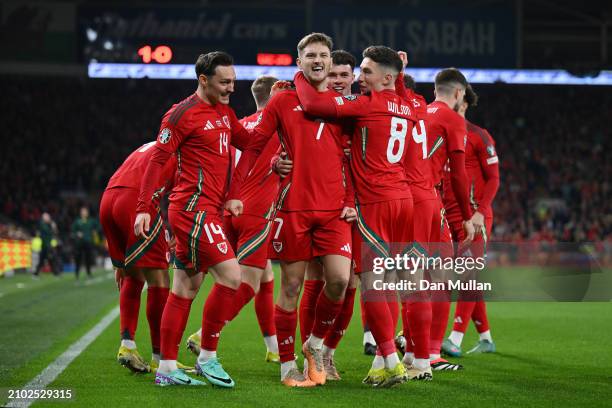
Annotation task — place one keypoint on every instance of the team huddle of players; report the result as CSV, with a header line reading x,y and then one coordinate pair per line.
x,y
324,181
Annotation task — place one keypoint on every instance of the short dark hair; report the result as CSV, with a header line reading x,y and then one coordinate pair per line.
x,y
471,97
384,56
315,38
261,89
448,78
207,63
341,57
409,82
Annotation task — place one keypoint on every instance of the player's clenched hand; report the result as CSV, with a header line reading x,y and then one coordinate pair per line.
x,y
283,165
404,57
119,275
235,207
141,225
172,243
279,86
348,214
468,228
478,222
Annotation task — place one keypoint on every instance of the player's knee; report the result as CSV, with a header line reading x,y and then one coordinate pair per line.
x,y
336,286
291,289
185,292
230,281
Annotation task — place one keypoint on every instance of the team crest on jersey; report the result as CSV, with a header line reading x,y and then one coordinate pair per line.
x,y
350,97
164,136
278,246
226,121
491,150
222,246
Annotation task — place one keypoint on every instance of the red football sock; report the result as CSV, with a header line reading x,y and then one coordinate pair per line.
x,y
216,314
463,314
364,322
334,336
479,316
393,308
286,323
440,310
406,328
418,317
404,315
243,295
156,300
308,304
380,320
264,308
129,306
173,322
325,315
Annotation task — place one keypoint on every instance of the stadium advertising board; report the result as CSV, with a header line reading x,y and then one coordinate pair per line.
x,y
469,37
116,34
483,37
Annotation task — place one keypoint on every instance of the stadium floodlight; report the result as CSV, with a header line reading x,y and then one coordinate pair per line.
x,y
251,72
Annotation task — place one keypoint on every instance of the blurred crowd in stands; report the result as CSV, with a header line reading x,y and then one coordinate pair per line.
x,y
63,139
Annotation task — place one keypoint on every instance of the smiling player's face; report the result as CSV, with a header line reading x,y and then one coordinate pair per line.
x,y
220,86
341,78
315,61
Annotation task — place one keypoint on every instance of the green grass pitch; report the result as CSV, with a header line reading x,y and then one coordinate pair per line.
x,y
549,354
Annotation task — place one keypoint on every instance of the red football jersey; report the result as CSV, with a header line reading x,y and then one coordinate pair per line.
x,y
379,146
417,163
260,189
446,132
317,180
200,134
480,160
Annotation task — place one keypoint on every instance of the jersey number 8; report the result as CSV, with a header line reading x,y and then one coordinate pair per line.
x,y
399,128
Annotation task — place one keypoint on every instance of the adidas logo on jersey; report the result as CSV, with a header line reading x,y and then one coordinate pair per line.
x,y
298,108
458,319
346,248
209,126
215,335
287,341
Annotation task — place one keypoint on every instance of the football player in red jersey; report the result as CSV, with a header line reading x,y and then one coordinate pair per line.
x,y
199,130
482,166
446,137
137,260
315,208
427,233
340,78
249,233
378,149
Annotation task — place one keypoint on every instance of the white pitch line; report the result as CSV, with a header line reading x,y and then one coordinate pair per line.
x,y
53,370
